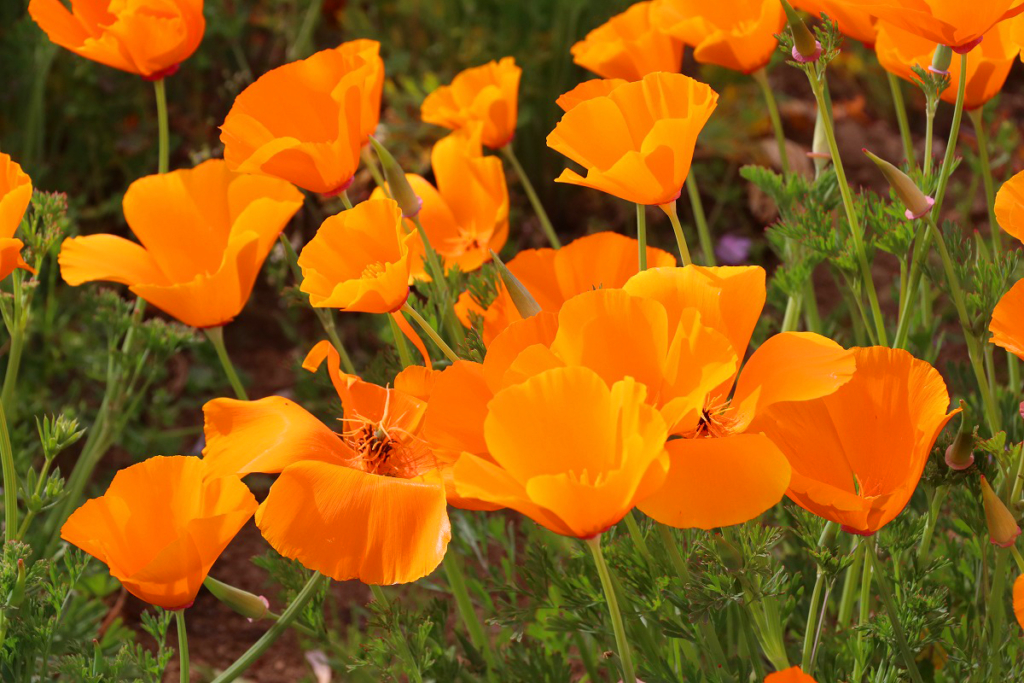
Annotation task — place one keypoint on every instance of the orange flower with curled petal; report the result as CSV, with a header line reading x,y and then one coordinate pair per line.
x,y
854,22
204,234
161,525
366,502
306,122
15,195
637,142
145,37
857,454
588,90
739,35
629,45
359,260
487,95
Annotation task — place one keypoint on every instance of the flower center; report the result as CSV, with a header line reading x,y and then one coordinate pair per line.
x,y
715,420
373,270
384,448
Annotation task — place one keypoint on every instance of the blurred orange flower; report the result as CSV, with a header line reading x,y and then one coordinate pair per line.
x,y
588,90
161,525
858,454
306,122
488,95
854,22
629,46
367,503
15,195
793,674
145,37
987,67
204,234
637,142
738,35
1007,325
955,23
359,260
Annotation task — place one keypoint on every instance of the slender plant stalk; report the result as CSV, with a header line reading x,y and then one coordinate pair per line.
x,y
10,480
637,536
810,301
179,617
641,235
677,228
436,269
931,107
894,615
864,608
707,247
216,337
938,497
792,314
413,667
445,349
618,627
457,582
901,118
370,160
303,42
531,193
773,113
678,563
17,330
403,349
828,535
850,583
1017,558
978,121
163,132
345,201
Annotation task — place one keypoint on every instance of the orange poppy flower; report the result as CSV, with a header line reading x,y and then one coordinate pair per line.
x,y
1006,327
15,195
1018,599
161,525
488,95
466,215
365,503
588,90
858,454
955,23
604,259
205,232
306,122
630,46
738,35
793,674
854,22
636,142
988,66
359,260
145,37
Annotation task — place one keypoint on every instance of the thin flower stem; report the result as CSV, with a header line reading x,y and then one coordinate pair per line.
x,y
531,193
678,563
445,349
163,131
641,235
403,349
179,617
436,270
850,583
931,107
1017,558
370,159
810,301
406,653
938,497
346,202
978,121
19,323
864,608
10,480
637,536
761,77
707,247
828,535
791,317
457,582
673,217
216,337
901,118
894,616
303,42
618,627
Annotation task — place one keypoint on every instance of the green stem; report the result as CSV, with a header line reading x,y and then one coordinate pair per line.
x,y
370,160
978,120
216,337
792,314
938,496
678,563
850,583
638,537
302,45
457,582
531,193
618,627
677,228
403,349
179,617
19,324
437,272
864,609
163,130
346,202
894,616
10,480
403,643
703,232
641,235
434,336
828,535
1017,558
901,118
931,107
954,134
773,113
810,301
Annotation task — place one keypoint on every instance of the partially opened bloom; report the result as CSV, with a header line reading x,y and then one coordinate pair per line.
x,y
853,21
793,674
629,46
487,95
1007,326
359,260
857,454
15,195
958,24
204,235
161,525
306,122
145,37
637,141
739,35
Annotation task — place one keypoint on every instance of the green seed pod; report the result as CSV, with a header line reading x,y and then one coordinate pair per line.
x,y
253,607
521,297
398,185
918,203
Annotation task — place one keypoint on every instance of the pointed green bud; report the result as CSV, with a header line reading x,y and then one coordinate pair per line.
x,y
918,203
17,595
398,185
820,154
960,454
805,47
253,607
1002,526
521,297
941,60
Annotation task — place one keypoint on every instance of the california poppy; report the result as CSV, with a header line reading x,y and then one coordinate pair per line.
x,y
1006,328
488,95
853,22
629,46
15,195
145,37
1018,599
988,66
857,454
204,234
306,122
161,525
793,674
359,260
365,503
636,142
738,35
588,90
604,259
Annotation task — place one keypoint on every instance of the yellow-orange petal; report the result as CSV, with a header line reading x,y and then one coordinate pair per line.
x,y
487,95
588,90
15,195
1018,599
109,258
1007,325
10,257
630,45
454,418
1009,206
793,674
854,22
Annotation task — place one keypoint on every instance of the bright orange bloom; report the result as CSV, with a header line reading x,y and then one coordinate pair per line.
x,y
987,67
306,122
636,142
1007,326
15,195
858,454
359,260
629,46
466,215
602,260
854,22
1018,599
793,674
205,232
739,35
488,95
958,24
367,502
588,90
145,37
161,525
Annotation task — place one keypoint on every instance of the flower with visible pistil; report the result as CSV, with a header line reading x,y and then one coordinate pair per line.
x,y
955,23
629,46
487,95
15,195
204,234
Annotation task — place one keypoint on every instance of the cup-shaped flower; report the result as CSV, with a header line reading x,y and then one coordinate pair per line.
x,y
854,22
588,90
204,234
161,525
359,260
366,503
15,195
858,453
629,46
738,35
955,23
793,674
145,37
306,122
637,142
487,95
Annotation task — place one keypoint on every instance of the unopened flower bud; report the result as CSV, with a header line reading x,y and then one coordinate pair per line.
x,y
398,185
1002,526
820,154
960,454
253,607
17,595
941,60
918,203
805,47
521,297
